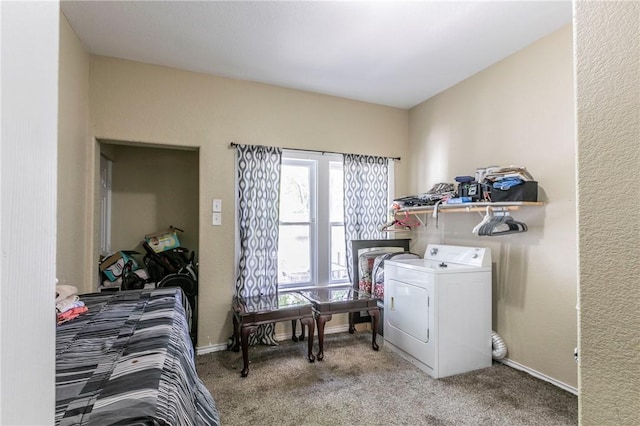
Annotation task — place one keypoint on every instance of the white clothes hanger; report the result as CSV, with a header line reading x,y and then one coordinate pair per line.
x,y
485,219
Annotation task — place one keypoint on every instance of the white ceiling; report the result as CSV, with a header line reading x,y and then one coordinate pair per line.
x,y
396,53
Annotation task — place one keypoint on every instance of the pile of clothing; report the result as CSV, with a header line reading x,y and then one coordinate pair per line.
x,y
439,192
68,304
506,177
488,184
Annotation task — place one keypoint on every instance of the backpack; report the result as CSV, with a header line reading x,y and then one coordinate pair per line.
x,y
131,280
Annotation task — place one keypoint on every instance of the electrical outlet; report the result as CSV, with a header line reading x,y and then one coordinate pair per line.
x,y
217,219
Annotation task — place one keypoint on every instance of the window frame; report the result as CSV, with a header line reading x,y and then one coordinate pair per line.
x,y
319,221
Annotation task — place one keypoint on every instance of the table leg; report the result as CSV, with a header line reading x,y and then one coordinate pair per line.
x,y
294,323
309,323
352,327
302,324
235,345
244,336
321,321
375,317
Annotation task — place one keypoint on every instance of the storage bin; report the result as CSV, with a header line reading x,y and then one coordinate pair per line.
x,y
528,191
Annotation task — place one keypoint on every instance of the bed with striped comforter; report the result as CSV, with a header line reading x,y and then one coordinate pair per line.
x,y
129,361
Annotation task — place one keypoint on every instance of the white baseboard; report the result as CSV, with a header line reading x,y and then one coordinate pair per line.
x,y
537,374
201,350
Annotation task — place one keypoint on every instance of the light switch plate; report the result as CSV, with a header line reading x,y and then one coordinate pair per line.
x,y
217,219
217,205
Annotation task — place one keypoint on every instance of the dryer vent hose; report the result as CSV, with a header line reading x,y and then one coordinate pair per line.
x,y
499,347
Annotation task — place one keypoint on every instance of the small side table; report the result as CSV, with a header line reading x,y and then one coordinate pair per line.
x,y
329,301
249,313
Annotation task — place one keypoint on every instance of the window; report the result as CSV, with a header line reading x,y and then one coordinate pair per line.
x,y
311,248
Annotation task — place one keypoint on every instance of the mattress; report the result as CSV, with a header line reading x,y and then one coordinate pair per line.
x,y
130,361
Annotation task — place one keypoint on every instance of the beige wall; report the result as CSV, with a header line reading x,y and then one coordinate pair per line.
x,y
73,186
144,103
153,188
520,112
608,121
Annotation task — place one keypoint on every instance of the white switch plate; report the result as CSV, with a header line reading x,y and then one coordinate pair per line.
x,y
217,219
217,205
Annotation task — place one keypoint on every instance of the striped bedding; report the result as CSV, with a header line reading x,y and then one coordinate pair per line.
x,y
130,361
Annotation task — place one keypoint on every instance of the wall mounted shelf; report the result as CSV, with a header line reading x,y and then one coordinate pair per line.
x,y
471,207
480,207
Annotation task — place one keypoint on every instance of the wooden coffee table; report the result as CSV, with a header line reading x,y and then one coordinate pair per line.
x,y
249,313
337,300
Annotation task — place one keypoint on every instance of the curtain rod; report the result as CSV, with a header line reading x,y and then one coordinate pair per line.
x,y
233,144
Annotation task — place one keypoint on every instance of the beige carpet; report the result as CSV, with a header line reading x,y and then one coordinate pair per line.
x,y
356,386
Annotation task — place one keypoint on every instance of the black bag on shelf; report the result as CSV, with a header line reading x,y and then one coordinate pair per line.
x,y
527,191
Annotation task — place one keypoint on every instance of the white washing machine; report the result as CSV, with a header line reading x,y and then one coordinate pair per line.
x,y
437,310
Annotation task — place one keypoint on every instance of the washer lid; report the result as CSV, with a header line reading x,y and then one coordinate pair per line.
x,y
436,267
472,256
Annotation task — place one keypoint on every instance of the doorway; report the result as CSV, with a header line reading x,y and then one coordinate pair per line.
x,y
152,188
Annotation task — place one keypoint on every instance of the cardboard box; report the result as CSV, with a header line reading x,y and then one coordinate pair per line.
x,y
112,265
163,241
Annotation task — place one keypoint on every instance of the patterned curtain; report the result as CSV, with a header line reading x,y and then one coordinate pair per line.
x,y
258,223
366,191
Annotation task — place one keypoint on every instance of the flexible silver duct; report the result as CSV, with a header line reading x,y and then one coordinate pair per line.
x,y
499,346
